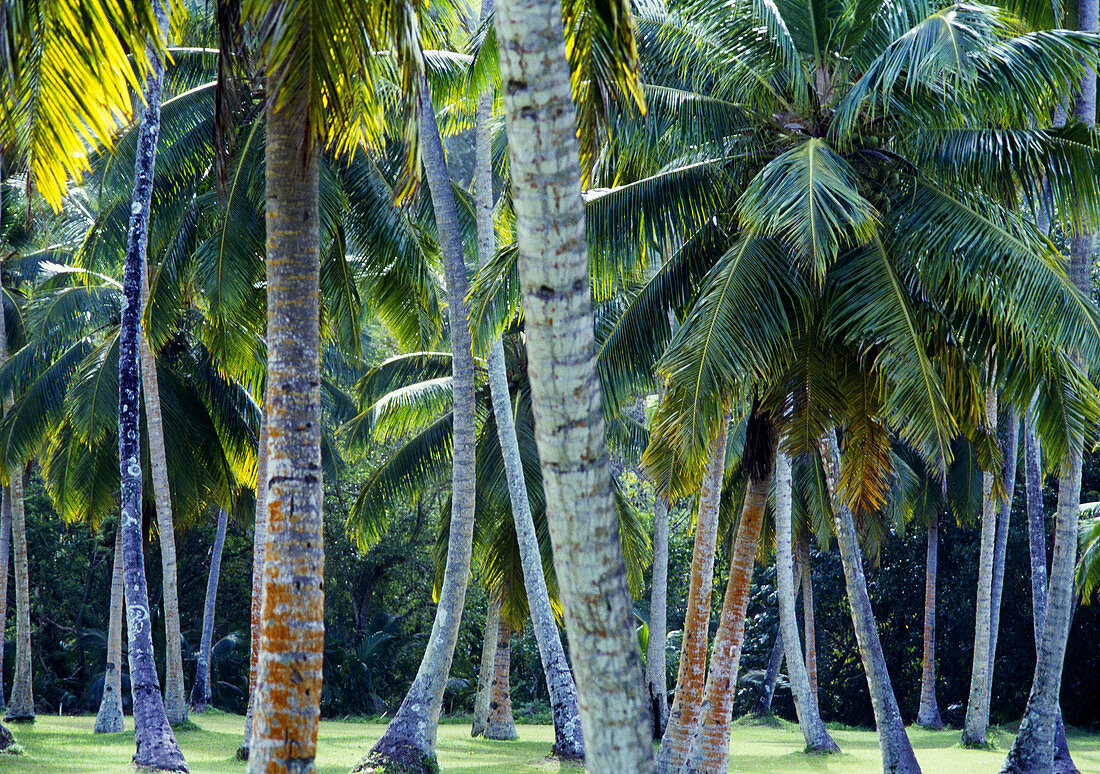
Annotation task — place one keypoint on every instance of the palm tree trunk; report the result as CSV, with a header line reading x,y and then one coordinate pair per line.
x,y
1004,515
655,666
569,739
288,670
258,541
977,708
897,752
156,744
501,724
710,753
565,394
109,718
1037,550
21,703
809,627
928,715
488,664
690,685
174,695
409,739
762,705
805,703
200,692
5,553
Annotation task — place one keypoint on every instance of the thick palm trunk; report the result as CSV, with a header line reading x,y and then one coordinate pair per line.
x,y
809,626
1004,515
258,533
805,703
977,707
409,739
174,696
1037,550
569,740
897,752
288,671
501,724
688,698
156,744
565,393
5,553
655,666
488,664
762,705
109,718
200,692
928,715
710,752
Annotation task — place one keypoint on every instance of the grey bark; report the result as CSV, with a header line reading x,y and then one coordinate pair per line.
x,y
488,664
977,706
200,691
762,705
409,739
5,553
897,752
565,394
501,725
817,737
155,742
258,541
1011,451
655,666
928,714
109,718
809,627
21,703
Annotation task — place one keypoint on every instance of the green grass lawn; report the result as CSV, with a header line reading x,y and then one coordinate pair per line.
x,y
67,746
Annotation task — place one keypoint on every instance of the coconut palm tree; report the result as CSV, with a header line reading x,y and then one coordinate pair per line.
x,y
108,719
200,691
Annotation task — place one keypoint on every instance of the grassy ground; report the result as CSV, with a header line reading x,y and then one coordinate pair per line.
x,y
67,746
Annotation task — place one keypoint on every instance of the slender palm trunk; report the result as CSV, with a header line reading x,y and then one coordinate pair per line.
x,y
897,752
5,554
156,744
288,670
690,678
501,724
21,703
928,715
174,696
488,664
655,666
762,705
809,717
710,752
569,740
409,739
200,692
809,626
1004,515
565,394
977,708
258,533
109,718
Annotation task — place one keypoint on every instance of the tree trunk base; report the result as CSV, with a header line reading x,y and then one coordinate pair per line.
x,y
399,759
21,718
6,739
242,752
571,754
109,719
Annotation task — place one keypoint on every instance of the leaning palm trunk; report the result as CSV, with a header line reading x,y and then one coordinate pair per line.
x,y
690,685
569,740
200,692
928,715
488,665
809,626
977,708
288,670
1004,515
710,752
655,667
501,724
14,525
258,533
762,705
805,703
156,744
174,695
409,739
897,752
565,393
109,718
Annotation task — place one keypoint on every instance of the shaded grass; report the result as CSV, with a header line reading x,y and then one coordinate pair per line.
x,y
67,746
